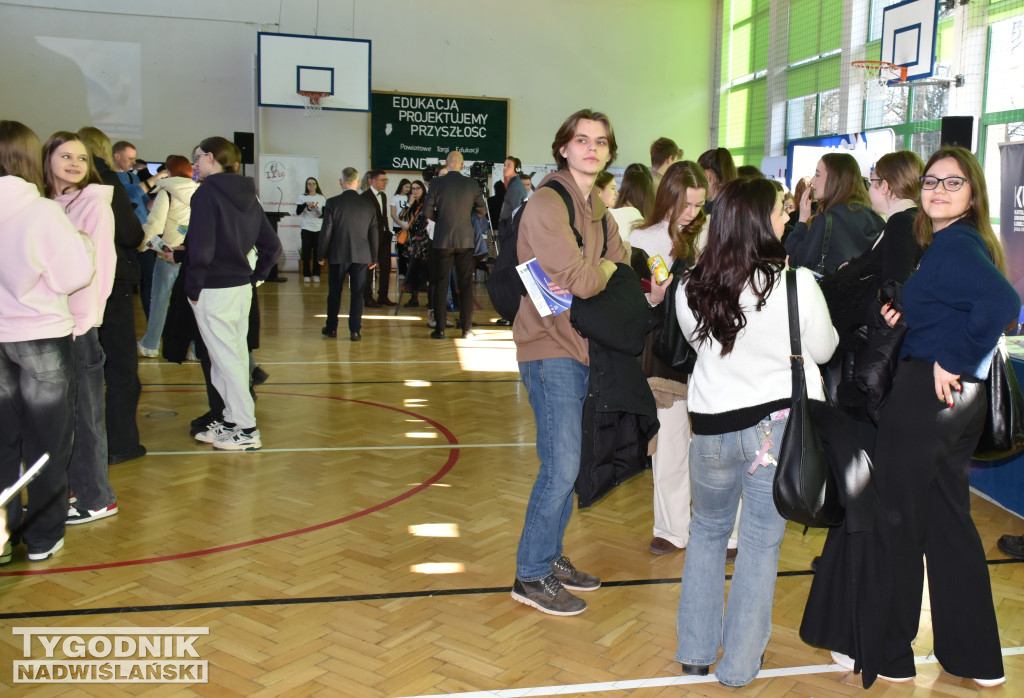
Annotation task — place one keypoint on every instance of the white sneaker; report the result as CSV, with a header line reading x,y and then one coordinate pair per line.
x,y
46,554
431,322
214,431
316,279
843,660
191,356
81,516
148,353
239,440
306,279
989,683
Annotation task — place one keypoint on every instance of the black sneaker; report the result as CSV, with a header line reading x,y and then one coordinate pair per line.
x,y
548,595
203,423
1012,546
572,578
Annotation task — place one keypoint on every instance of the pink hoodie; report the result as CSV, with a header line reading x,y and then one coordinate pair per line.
x,y
90,212
43,259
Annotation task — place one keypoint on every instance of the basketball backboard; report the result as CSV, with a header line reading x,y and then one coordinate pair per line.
x,y
908,36
292,63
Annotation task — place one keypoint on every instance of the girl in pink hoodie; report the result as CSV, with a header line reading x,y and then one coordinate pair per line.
x,y
44,259
72,181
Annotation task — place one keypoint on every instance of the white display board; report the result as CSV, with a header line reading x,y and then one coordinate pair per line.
x,y
281,180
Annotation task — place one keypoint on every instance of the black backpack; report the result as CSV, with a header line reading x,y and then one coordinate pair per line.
x,y
504,286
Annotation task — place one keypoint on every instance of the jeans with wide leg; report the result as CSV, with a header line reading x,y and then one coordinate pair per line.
x,y
335,283
164,274
720,470
87,471
557,389
37,411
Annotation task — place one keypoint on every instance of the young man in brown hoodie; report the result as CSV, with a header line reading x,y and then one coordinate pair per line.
x,y
554,359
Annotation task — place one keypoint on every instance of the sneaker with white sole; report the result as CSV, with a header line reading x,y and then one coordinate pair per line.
x,y
7,554
431,322
46,554
80,516
215,431
548,595
984,683
239,440
843,660
148,353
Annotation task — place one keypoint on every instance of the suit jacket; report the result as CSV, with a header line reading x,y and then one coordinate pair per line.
x,y
383,231
349,231
452,202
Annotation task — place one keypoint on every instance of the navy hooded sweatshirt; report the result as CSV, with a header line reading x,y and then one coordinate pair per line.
x,y
227,221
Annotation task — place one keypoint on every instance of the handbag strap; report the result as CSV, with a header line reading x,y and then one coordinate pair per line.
x,y
796,356
826,241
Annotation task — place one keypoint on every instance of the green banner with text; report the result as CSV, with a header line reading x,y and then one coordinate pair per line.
x,y
409,132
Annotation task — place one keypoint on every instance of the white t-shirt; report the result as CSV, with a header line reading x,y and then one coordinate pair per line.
x,y
312,218
400,202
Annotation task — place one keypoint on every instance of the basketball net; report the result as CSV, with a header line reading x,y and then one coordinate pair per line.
x,y
876,76
312,102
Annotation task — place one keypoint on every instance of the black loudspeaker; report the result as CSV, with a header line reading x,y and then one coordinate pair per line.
x,y
247,144
958,130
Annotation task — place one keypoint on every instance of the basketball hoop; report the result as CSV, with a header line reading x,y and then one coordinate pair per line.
x,y
877,76
312,101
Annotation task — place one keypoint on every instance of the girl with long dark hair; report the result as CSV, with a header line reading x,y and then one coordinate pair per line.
x,y
732,307
956,306
310,208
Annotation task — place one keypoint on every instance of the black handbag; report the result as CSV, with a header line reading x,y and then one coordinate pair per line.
x,y
805,490
669,345
1003,435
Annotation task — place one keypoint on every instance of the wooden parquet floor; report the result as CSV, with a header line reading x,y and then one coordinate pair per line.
x,y
367,550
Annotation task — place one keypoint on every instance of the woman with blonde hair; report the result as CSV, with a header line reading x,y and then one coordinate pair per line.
x,y
844,226
45,259
72,181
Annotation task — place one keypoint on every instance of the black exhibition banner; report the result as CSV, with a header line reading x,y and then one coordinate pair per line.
x,y
1011,211
410,131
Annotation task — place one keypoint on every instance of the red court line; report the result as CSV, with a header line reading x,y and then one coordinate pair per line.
x,y
453,456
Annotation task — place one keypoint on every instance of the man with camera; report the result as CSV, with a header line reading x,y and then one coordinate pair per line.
x,y
451,203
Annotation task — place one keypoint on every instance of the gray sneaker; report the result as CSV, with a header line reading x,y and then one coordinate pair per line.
x,y
572,578
548,595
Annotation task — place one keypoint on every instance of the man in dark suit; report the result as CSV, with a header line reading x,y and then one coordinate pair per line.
x,y
451,203
348,241
375,195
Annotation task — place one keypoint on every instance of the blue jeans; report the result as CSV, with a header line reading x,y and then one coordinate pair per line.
x,y
719,472
164,274
557,388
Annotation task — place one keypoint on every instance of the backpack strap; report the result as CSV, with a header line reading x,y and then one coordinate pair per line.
x,y
567,199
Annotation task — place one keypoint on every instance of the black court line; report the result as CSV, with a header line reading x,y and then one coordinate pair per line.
x,y
114,610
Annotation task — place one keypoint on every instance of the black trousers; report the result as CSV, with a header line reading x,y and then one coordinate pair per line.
x,y
441,261
121,371
335,282
382,272
310,263
922,455
147,262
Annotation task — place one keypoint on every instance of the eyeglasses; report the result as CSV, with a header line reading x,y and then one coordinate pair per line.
x,y
948,183
196,156
874,182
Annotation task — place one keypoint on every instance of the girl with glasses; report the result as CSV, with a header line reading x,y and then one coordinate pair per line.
x,y
955,307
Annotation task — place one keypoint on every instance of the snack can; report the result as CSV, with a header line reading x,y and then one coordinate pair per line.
x,y
659,271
